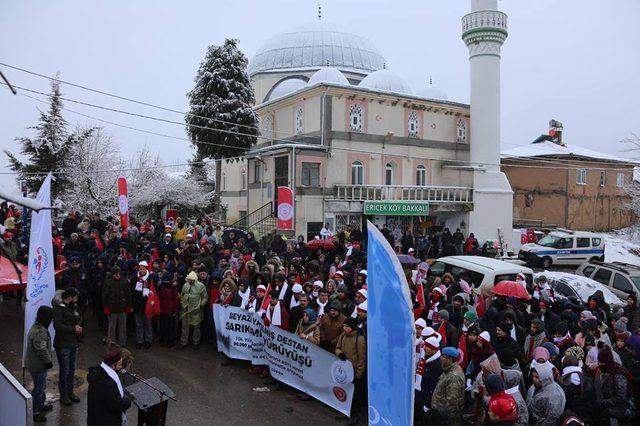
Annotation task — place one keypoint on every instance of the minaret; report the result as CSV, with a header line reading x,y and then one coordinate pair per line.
x,y
484,30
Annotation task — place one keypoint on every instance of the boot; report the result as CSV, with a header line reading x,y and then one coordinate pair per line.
x,y
64,400
73,397
39,418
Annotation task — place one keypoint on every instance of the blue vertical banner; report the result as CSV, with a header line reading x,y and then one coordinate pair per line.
x,y
41,286
390,336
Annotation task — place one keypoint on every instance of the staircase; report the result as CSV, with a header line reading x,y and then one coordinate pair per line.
x,y
261,221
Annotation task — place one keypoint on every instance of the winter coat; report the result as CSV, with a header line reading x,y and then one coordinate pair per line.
x,y
430,377
330,330
104,403
38,348
77,279
193,298
507,343
611,394
532,342
169,299
295,316
116,295
312,331
138,299
633,315
546,404
456,315
354,347
448,396
65,319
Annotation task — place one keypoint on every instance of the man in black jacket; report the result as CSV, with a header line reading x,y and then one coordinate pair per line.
x,y
66,322
106,403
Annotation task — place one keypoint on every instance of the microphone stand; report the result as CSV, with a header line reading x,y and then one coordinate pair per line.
x,y
160,392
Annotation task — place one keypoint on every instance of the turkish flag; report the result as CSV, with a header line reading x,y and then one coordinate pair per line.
x,y
285,208
421,302
463,358
123,203
267,299
442,331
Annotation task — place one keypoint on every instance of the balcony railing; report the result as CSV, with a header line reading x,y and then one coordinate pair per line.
x,y
434,194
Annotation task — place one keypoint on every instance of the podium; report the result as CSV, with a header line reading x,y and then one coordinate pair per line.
x,y
151,396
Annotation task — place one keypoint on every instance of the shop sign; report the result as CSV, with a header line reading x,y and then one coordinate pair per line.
x,y
396,208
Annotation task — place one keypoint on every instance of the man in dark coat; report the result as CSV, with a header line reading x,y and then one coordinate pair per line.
x,y
106,402
428,373
116,299
66,322
38,360
502,341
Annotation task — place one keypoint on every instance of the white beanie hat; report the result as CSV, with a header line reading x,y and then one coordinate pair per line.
x,y
432,342
363,306
318,283
485,336
297,288
363,292
420,322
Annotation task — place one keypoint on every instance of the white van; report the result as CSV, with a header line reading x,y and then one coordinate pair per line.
x,y
563,248
481,271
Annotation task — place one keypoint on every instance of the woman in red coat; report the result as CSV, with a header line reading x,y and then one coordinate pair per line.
x,y
169,308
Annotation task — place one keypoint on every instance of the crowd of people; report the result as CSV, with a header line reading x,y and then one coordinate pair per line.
x,y
480,358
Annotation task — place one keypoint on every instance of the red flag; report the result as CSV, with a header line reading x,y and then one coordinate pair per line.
x,y
152,308
267,299
123,203
463,359
417,312
481,307
442,331
285,208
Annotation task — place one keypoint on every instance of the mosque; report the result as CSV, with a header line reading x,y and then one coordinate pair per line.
x,y
355,142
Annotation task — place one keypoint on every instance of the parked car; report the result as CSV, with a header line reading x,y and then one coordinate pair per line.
x,y
621,278
481,271
578,288
563,247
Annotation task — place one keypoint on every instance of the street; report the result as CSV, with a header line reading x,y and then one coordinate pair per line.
x,y
206,392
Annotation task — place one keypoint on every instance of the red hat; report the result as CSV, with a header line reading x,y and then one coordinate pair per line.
x,y
112,356
7,235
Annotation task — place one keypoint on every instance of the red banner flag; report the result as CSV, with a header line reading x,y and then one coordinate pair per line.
x,y
123,203
463,358
285,208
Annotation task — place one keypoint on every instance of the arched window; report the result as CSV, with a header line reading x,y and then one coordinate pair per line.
x,y
389,175
299,120
357,173
462,131
244,179
266,130
421,176
355,118
413,125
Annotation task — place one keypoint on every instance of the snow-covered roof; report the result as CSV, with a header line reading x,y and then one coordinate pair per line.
x,y
328,75
316,45
386,81
286,87
431,91
548,149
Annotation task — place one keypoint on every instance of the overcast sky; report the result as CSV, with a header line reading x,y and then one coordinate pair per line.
x,y
577,61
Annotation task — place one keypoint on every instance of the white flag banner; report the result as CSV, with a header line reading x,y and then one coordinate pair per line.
x,y
297,362
41,286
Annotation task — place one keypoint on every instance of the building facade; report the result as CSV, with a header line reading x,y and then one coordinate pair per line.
x,y
355,142
569,187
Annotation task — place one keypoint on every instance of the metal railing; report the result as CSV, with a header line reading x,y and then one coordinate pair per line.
x,y
434,194
261,221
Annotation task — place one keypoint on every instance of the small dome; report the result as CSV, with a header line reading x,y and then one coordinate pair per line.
x,y
431,91
328,75
386,81
316,45
285,87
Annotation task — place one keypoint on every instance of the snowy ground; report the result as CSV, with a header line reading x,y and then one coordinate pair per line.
x,y
623,246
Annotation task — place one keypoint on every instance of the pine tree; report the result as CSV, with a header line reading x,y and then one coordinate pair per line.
x,y
49,150
221,101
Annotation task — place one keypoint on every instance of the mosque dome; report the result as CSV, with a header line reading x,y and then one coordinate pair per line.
x,y
285,87
386,81
328,75
431,91
316,45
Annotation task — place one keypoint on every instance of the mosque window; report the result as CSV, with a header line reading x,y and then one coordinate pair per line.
x,y
461,131
389,175
357,173
421,176
266,130
355,118
413,124
299,120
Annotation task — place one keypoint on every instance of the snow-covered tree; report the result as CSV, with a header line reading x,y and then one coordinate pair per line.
x,y
222,122
49,150
151,188
93,170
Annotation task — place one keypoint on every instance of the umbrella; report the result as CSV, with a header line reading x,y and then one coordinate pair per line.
x,y
405,259
320,244
511,289
239,233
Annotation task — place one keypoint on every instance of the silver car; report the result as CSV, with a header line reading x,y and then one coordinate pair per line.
x,y
621,278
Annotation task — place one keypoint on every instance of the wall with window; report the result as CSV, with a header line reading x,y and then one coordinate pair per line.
x,y
310,170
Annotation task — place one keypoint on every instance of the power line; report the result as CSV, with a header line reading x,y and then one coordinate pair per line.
x,y
124,98
562,163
